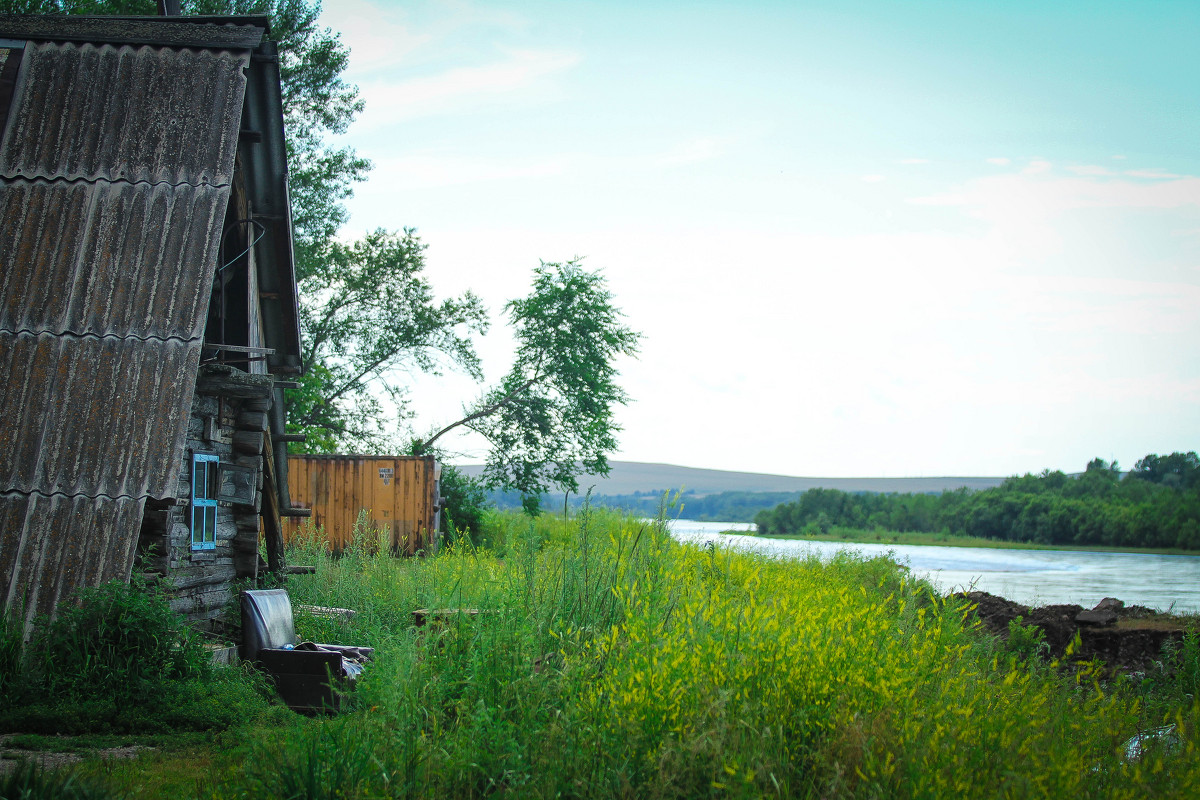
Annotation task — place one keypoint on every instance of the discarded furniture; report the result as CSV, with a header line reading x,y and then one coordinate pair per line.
x,y
310,677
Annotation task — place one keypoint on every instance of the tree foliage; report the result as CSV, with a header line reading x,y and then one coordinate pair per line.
x,y
1153,506
551,418
369,317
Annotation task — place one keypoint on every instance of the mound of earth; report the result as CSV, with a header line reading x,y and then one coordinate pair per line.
x,y
1127,638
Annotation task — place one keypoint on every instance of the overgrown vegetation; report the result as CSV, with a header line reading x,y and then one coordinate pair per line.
x,y
608,661
1156,505
596,657
27,781
116,659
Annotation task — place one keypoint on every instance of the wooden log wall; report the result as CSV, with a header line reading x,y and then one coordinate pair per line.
x,y
202,580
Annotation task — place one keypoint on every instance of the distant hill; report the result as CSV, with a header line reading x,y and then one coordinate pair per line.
x,y
630,477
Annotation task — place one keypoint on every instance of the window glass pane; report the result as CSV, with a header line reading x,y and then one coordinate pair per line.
x,y
204,505
238,484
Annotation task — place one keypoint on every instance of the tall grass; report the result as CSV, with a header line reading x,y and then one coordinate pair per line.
x,y
117,659
601,659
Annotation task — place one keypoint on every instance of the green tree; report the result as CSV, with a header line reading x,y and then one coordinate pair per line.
x,y
551,418
1178,470
369,317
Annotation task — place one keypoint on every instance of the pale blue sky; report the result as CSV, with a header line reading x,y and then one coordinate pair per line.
x,y
890,238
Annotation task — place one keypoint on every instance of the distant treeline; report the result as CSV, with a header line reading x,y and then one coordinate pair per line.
x,y
1157,504
722,507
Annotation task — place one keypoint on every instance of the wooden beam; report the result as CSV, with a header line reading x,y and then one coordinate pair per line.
x,y
237,348
272,526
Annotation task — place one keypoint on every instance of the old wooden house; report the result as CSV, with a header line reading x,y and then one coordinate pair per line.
x,y
148,318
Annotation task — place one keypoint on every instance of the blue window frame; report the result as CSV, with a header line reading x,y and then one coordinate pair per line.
x,y
205,485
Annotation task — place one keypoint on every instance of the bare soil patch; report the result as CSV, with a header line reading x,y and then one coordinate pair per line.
x,y
1129,638
13,750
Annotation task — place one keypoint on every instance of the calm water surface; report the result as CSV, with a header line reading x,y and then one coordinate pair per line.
x,y
1031,577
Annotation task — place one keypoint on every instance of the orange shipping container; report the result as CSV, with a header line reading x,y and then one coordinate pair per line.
x,y
399,493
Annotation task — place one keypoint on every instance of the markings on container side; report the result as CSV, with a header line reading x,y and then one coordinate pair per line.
x,y
385,474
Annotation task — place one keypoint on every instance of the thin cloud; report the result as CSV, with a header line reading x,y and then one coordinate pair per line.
x,y
1154,174
873,178
704,148
463,88
913,161
1023,210
1090,170
948,199
378,38
431,171
1037,167
999,162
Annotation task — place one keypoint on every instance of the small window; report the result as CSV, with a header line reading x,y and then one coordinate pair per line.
x,y
239,484
205,486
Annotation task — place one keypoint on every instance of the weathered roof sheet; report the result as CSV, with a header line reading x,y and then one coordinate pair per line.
x,y
115,170
81,541
239,33
108,259
93,416
134,114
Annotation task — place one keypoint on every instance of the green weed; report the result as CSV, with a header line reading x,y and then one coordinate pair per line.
x,y
599,658
117,659
1025,642
30,782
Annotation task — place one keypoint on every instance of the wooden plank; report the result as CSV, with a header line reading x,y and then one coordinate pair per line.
x,y
252,420
272,527
237,348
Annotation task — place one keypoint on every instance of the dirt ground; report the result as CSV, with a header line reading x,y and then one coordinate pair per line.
x,y
10,756
1126,638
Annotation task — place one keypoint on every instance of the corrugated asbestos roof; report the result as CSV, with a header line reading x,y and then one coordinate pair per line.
x,y
94,416
108,258
83,112
238,33
81,541
115,171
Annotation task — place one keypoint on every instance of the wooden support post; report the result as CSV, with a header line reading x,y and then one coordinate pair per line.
x,y
272,526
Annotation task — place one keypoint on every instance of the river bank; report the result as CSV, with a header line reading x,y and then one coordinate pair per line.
x,y
861,536
1127,639
1030,576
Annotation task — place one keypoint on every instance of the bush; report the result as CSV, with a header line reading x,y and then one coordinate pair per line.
x,y
1183,661
1025,642
117,659
119,641
463,502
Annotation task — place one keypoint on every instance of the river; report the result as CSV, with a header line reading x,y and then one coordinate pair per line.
x,y
1031,577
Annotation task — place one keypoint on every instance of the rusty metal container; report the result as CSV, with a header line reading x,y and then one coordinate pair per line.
x,y
400,495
